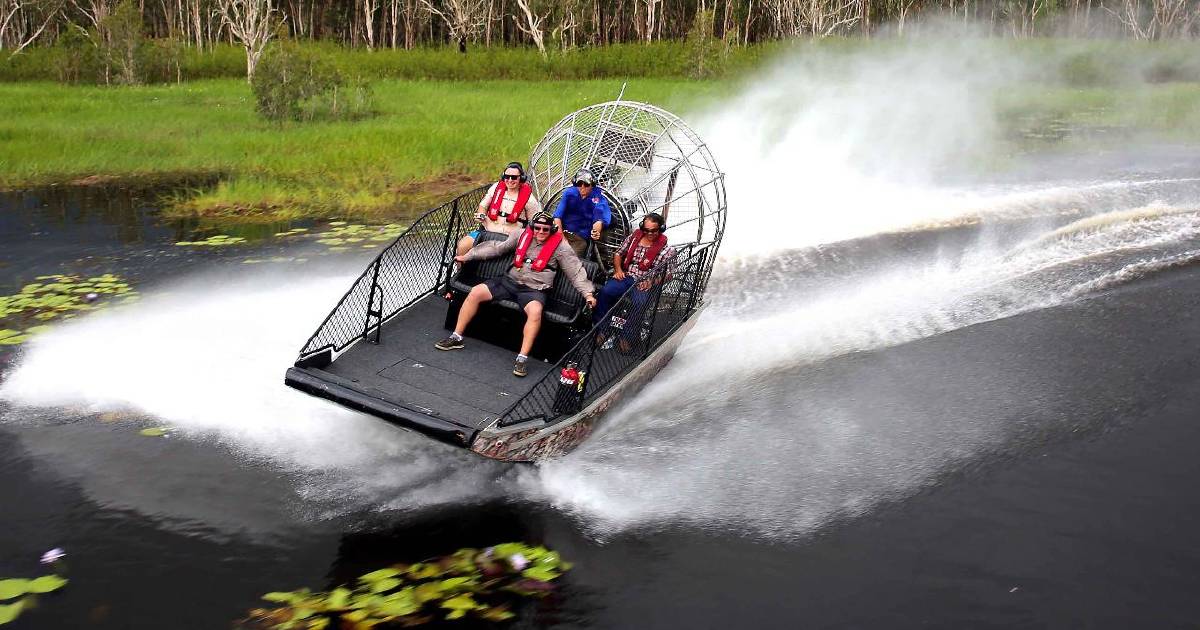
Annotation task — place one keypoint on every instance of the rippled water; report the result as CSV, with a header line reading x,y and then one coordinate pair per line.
x,y
980,424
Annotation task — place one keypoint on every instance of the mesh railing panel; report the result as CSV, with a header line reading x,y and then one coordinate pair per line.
x,y
600,354
408,269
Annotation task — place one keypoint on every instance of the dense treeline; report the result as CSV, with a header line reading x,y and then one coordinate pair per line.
x,y
572,23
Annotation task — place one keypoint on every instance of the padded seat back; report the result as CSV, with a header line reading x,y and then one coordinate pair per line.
x,y
476,271
563,302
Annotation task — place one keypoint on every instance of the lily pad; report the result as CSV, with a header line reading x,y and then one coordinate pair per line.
x,y
155,432
11,611
13,588
47,584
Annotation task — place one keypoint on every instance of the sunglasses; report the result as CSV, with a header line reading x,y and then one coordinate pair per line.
x,y
542,229
507,176
650,231
583,184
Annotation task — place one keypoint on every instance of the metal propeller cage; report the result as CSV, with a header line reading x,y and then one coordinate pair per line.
x,y
645,159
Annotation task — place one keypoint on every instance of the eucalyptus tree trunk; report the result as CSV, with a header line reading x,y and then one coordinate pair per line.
x,y
250,23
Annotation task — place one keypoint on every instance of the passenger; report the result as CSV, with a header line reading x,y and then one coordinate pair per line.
x,y
505,207
538,257
643,260
582,212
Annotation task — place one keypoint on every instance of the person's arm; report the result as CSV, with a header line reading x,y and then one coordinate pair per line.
x,y
602,212
662,270
569,263
562,208
491,249
619,258
487,197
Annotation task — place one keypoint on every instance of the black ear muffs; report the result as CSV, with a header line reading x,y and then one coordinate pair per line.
x,y
657,219
516,165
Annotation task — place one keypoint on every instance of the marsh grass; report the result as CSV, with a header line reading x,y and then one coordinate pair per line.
x,y
428,138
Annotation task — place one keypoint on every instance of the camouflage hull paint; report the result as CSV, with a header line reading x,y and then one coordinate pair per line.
x,y
541,443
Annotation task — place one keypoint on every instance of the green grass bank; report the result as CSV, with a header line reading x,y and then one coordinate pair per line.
x,y
430,138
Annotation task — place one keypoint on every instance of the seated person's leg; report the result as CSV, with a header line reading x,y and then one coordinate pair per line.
x,y
577,243
639,300
466,243
479,294
533,324
609,294
532,302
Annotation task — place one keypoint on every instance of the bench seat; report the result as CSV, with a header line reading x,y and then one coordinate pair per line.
x,y
563,303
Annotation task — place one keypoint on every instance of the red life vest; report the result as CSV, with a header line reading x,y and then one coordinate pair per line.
x,y
498,198
648,260
543,257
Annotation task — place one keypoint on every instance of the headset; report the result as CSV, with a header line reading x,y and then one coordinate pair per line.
x,y
516,165
657,219
542,217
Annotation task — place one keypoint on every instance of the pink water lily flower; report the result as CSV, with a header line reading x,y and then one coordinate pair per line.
x,y
518,561
52,556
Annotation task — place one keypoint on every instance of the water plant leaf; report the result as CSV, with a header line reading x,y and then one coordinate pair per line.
x,y
155,431
540,573
380,574
11,611
13,588
340,598
283,598
460,602
47,584
386,584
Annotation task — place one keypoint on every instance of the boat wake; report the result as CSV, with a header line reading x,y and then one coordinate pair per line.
x,y
846,258
777,425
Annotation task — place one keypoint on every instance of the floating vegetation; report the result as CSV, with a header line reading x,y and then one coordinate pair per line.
x,y
274,259
156,432
470,583
344,234
56,296
220,240
23,593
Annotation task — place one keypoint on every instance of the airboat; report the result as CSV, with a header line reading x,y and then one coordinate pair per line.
x,y
375,352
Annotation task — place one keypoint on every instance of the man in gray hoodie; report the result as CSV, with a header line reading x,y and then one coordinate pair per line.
x,y
540,253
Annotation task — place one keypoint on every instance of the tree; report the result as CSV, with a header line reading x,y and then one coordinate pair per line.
x,y
252,23
19,21
124,33
461,17
531,24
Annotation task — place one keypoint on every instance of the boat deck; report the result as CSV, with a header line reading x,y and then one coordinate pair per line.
x,y
468,387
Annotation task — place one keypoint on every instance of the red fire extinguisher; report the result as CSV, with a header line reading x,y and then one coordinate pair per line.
x,y
567,399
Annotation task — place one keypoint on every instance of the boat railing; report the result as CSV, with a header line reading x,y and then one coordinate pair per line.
x,y
613,348
417,263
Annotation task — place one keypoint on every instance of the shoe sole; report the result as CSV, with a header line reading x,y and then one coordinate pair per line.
x,y
521,374
448,349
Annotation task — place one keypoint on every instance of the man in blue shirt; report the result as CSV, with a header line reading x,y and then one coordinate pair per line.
x,y
582,212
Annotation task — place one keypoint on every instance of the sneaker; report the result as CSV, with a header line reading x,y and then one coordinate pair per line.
x,y
449,343
520,369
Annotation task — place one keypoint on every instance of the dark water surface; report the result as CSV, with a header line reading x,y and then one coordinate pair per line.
x,y
1082,512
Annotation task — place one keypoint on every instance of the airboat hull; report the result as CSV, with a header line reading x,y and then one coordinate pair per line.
x,y
534,443
525,442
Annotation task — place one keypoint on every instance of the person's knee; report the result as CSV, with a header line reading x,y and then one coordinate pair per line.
x,y
480,293
533,311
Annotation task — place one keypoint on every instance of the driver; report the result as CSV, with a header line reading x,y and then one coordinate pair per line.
x,y
582,212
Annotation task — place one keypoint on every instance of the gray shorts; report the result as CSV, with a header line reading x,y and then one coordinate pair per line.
x,y
505,288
